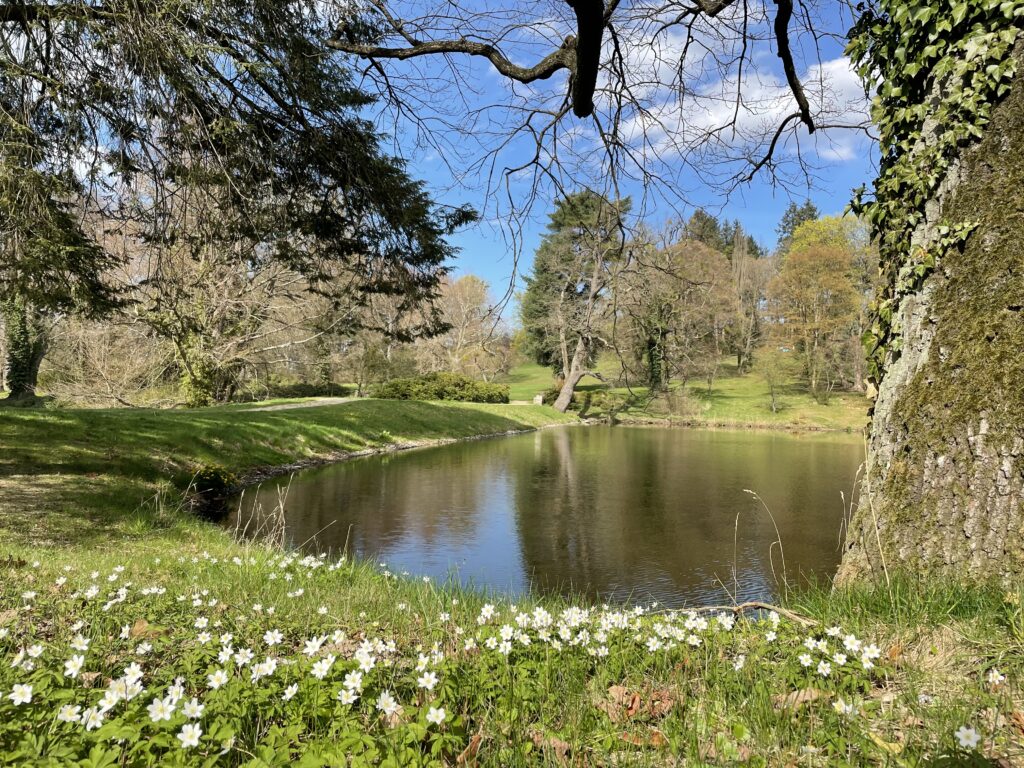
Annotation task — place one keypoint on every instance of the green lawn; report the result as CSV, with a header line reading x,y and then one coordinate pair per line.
x,y
529,379
744,401
81,475
738,401
574,686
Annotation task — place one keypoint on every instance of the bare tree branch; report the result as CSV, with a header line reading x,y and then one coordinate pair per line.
x,y
563,58
782,40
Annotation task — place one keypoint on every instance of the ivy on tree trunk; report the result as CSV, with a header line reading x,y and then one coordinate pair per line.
x,y
25,343
944,480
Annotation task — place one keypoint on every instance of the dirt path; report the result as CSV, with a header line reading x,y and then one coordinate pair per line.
x,y
306,404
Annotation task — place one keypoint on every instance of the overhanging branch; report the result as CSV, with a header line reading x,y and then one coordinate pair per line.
x,y
579,54
786,54
590,24
563,58
28,13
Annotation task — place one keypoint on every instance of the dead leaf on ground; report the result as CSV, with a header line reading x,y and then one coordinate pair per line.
x,y
553,744
741,753
1017,718
622,703
141,628
468,756
630,758
8,616
797,699
653,738
615,713
661,702
634,705
345,648
88,678
619,694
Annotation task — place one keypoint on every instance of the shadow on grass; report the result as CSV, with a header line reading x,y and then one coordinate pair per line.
x,y
78,474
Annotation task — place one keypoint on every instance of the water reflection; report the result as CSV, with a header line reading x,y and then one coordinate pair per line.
x,y
615,513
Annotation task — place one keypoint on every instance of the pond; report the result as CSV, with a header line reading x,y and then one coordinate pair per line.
x,y
618,514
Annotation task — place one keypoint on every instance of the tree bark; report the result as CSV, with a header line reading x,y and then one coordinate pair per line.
x,y
577,370
944,480
26,342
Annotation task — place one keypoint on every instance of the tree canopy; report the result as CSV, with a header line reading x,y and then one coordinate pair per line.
x,y
570,271
108,111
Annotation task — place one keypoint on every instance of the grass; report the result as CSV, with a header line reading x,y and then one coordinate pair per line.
x,y
743,401
83,475
529,379
592,686
598,692
733,401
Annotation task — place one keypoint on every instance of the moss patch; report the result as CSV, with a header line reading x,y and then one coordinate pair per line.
x,y
975,369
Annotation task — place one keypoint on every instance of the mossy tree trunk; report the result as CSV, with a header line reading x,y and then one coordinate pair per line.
x,y
945,468
26,340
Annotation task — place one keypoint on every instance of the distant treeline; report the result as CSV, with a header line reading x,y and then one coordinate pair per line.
x,y
670,304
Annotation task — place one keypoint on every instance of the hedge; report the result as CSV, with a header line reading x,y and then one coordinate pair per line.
x,y
442,386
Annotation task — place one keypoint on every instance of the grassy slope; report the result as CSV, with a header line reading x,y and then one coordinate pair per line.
x,y
744,401
538,706
741,401
73,477
79,474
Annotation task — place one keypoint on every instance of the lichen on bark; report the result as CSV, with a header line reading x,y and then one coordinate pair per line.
x,y
944,483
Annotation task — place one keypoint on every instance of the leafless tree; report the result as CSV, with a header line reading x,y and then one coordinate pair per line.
x,y
112,362
674,305
751,276
543,99
470,346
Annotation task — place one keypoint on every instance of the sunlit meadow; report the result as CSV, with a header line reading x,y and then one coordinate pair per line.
x,y
257,658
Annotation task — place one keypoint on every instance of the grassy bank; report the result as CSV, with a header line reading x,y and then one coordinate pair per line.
x,y
151,638
86,476
732,401
208,652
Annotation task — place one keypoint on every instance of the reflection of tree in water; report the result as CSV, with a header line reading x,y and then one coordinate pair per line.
x,y
616,511
654,511
434,496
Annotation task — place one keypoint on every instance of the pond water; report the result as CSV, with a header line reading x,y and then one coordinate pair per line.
x,y
614,513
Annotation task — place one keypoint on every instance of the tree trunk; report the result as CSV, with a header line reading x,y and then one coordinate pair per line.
x,y
656,373
26,342
577,370
944,481
857,374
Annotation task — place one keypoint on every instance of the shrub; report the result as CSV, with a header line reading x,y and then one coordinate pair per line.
x,y
552,394
308,389
212,485
442,386
213,480
278,387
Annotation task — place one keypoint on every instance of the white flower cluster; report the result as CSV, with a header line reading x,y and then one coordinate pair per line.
x,y
831,656
233,650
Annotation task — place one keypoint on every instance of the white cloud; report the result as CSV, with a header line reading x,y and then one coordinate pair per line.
x,y
737,119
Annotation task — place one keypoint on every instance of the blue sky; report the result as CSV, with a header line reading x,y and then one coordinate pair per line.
x,y
486,252
842,159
